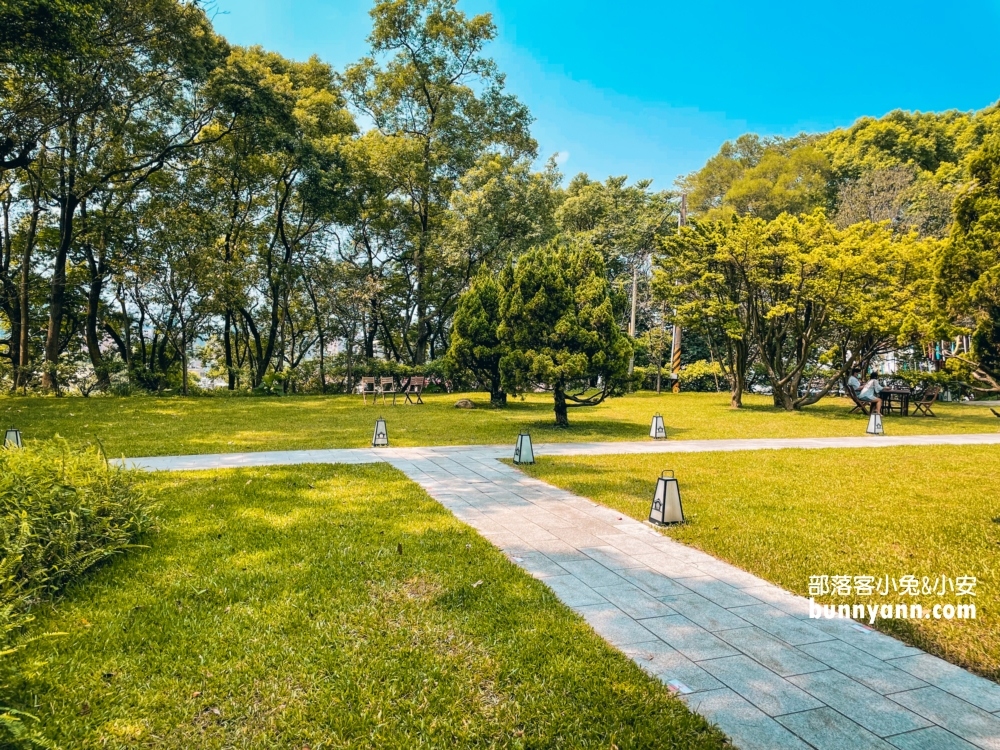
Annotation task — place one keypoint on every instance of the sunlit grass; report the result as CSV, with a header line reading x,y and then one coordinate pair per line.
x,y
172,426
790,514
274,610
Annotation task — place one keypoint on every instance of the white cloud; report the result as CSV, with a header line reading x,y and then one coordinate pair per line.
x,y
561,157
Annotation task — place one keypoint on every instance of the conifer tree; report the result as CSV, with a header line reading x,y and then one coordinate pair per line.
x,y
557,321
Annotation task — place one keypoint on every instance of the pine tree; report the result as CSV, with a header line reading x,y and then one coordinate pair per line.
x,y
558,323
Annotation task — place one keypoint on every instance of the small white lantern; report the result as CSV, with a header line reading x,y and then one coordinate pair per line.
x,y
656,430
381,437
875,424
12,438
666,508
523,452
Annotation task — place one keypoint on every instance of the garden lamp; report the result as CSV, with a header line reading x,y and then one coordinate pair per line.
x,y
666,508
381,437
12,438
656,430
875,424
523,452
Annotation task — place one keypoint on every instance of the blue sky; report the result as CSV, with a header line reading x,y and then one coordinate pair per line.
x,y
652,89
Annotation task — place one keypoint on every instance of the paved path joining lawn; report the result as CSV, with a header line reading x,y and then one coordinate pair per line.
x,y
737,649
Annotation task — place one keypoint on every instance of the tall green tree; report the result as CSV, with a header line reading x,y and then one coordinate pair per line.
x,y
124,105
279,174
558,324
475,336
803,299
967,272
441,105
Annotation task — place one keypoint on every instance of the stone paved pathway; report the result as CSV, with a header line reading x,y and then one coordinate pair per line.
x,y
737,649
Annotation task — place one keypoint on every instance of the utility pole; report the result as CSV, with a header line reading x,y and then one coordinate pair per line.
x,y
675,345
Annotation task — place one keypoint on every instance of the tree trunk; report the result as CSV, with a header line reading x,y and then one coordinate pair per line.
x,y
57,296
12,309
562,413
498,397
11,304
322,338
29,244
90,329
227,344
736,396
781,398
349,385
738,369
184,359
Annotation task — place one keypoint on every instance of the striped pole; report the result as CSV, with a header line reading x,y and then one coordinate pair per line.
x,y
675,359
675,347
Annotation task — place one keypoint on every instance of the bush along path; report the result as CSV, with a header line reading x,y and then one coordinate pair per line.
x,y
62,511
740,651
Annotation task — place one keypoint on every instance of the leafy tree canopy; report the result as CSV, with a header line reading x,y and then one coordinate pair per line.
x,y
967,277
557,321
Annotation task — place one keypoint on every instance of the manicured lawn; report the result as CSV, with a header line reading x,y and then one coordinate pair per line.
x,y
172,426
790,514
274,610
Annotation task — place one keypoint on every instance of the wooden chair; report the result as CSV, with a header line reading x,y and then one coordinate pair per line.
x,y
864,407
366,386
927,398
387,385
415,387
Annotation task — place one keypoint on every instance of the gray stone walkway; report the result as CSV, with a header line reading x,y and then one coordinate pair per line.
x,y
737,649
372,455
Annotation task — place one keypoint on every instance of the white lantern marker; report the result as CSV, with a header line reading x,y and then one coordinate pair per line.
x,y
875,424
523,452
381,437
666,508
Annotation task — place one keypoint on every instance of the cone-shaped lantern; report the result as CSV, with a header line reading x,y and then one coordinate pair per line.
x,y
12,438
381,437
875,424
656,430
523,452
666,508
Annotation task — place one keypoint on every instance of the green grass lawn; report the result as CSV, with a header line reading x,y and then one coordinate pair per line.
x,y
274,610
141,426
787,515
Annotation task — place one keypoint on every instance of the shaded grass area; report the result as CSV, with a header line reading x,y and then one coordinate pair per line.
x,y
148,426
274,609
790,514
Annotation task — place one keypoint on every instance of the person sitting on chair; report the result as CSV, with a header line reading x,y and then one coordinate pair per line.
x,y
870,392
853,383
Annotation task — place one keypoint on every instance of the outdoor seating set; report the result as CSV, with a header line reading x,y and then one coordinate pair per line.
x,y
411,389
898,399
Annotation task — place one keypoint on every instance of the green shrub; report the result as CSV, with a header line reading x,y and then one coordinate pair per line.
x,y
62,511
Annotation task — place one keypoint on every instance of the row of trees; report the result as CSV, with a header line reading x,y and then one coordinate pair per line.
x,y
165,195
814,255
795,291
161,189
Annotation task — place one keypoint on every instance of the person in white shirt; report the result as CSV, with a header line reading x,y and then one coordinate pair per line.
x,y
870,392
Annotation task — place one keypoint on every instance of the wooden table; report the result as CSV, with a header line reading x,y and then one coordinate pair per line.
x,y
898,398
